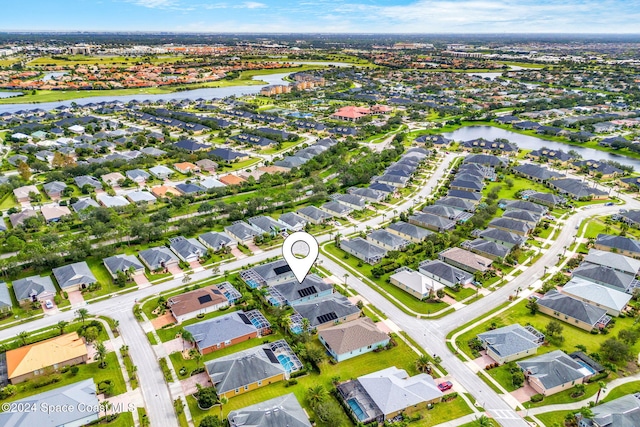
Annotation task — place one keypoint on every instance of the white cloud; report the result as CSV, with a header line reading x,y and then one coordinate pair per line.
x,y
154,4
253,5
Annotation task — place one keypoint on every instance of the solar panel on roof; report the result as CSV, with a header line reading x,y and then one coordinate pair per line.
x,y
204,299
217,292
282,270
324,318
244,318
272,357
307,291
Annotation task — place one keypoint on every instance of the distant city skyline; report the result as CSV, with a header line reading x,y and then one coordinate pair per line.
x,y
326,16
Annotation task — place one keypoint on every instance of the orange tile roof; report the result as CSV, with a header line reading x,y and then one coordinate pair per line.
x,y
43,354
231,180
162,190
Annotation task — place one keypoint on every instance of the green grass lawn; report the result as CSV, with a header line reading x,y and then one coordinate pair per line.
x,y
125,419
90,370
400,356
552,419
387,288
621,390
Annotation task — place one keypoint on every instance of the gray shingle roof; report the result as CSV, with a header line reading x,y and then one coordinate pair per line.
x,y
242,230
5,298
621,412
122,262
519,215
75,274
352,336
81,396
502,236
444,271
510,340
83,204
572,307
456,202
337,208
598,294
294,290
510,224
554,369
292,219
488,247
387,238
277,412
409,230
187,247
613,260
315,213
604,275
326,309
523,205
274,271
24,288
366,249
215,240
618,242
535,171
428,219
220,329
576,188
158,257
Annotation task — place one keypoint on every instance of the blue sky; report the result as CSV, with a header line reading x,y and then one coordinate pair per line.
x,y
356,16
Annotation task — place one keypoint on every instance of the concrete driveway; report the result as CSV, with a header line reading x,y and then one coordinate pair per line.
x,y
165,319
174,269
524,393
76,299
189,385
141,280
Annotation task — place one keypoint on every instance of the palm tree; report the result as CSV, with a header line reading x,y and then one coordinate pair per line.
x,y
186,337
101,353
601,386
346,276
222,401
82,313
22,336
61,325
423,364
483,421
316,394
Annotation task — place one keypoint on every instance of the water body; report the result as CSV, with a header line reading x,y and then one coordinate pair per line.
x,y
50,76
532,143
205,93
9,94
492,75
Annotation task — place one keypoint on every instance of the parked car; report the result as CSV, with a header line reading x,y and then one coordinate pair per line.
x,y
445,386
609,204
48,304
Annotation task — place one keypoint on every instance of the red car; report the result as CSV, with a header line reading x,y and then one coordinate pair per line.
x,y
445,386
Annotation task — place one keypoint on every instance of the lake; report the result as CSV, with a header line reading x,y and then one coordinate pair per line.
x,y
527,142
205,93
9,94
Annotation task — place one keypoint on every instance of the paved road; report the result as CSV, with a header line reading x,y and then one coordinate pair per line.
x,y
430,334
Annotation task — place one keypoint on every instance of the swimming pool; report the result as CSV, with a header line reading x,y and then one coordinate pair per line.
x,y
252,284
587,367
286,362
357,410
296,329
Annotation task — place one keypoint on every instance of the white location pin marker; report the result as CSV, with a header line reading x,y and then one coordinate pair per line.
x,y
300,266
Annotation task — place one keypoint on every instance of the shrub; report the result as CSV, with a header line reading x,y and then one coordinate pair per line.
x,y
44,381
74,370
598,377
537,398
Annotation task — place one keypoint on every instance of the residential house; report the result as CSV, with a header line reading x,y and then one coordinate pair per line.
x,y
511,342
446,212
189,188
124,263
74,276
161,172
327,311
34,288
228,155
138,176
89,180
387,240
187,249
456,203
293,292
53,213
631,217
29,361
81,396
383,395
615,261
610,299
466,185
242,232
159,258
502,237
6,304
392,180
190,145
267,225
186,167
165,191
230,179
605,276
408,231
553,372
209,182
530,218
22,194
222,331
83,204
362,249
522,205
547,199
54,189
432,222
466,195
207,165
492,250
486,160
536,173
336,209
618,244
465,260
352,201
113,179
573,311
369,194
444,273
293,221
112,201
511,226
415,283
621,412
314,215
141,197
268,274
253,368
277,412
352,339
216,241
577,189
196,303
